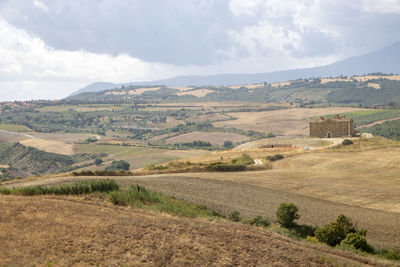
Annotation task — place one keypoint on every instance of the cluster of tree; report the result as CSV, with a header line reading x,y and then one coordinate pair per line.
x,y
389,92
195,144
389,129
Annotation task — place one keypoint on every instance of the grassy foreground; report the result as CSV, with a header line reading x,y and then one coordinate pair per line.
x,y
77,188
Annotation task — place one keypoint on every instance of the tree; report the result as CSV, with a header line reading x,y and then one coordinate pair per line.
x,y
347,142
117,165
228,144
287,214
98,161
333,233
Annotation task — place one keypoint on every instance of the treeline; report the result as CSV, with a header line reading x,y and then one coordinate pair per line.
x,y
387,95
389,129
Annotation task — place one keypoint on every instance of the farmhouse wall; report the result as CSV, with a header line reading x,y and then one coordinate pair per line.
x,y
336,127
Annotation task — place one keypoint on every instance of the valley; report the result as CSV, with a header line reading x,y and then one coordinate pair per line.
x,y
247,151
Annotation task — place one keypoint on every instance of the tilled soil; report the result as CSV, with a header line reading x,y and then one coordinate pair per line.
x,y
250,200
76,231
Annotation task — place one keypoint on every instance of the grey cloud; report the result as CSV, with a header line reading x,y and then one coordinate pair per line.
x,y
173,31
359,30
192,32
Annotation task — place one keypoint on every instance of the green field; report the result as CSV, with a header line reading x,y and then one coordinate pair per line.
x,y
14,128
364,117
388,129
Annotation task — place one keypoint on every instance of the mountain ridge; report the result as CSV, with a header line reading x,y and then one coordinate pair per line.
x,y
383,60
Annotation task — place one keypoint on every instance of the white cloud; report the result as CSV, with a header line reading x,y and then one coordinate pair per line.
x,y
40,5
381,6
239,7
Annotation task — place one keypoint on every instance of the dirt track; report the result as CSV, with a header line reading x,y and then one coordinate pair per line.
x,y
75,231
250,200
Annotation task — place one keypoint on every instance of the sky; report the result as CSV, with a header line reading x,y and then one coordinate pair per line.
x,y
51,48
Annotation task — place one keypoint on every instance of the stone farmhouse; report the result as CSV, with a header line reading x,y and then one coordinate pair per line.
x,y
339,126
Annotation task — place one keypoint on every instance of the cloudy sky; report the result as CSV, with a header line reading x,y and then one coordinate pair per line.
x,y
50,48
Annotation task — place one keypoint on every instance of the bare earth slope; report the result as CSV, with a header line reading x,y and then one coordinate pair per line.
x,y
76,232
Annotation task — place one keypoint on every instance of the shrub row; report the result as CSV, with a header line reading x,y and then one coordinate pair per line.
x,y
102,173
258,220
77,188
275,157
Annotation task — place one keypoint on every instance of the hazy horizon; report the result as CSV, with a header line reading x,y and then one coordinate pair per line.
x,y
49,49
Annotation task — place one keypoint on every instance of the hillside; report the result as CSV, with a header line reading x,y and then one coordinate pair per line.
x,y
370,90
70,231
383,60
23,161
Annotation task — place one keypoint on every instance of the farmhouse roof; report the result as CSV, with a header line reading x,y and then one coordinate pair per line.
x,y
337,118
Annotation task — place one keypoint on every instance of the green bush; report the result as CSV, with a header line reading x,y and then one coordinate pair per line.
x,y
228,144
275,157
153,167
287,214
226,167
91,139
118,165
234,216
4,191
333,233
304,230
356,241
243,160
347,142
389,254
260,221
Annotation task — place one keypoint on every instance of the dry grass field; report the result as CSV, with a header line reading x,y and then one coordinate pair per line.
x,y
196,93
289,122
81,108
360,79
60,143
250,86
80,231
10,137
49,146
138,157
216,138
68,138
14,128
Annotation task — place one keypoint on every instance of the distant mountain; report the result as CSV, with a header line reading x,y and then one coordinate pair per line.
x,y
95,87
386,60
